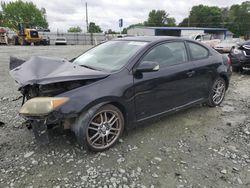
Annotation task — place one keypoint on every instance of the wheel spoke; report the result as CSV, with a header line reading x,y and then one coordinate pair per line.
x,y
107,139
105,117
95,124
103,141
102,120
93,128
215,97
114,129
112,133
96,134
96,139
111,119
113,122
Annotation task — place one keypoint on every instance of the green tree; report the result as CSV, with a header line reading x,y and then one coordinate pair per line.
x,y
76,29
158,18
125,31
1,18
135,25
23,12
205,16
239,19
93,28
110,31
184,23
171,22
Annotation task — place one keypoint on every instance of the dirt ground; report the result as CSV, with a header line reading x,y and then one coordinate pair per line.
x,y
198,147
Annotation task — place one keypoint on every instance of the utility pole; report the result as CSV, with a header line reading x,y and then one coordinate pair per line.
x,y
87,19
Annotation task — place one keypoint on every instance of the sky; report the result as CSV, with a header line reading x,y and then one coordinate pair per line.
x,y
62,14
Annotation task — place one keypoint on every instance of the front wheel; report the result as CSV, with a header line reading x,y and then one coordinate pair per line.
x,y
100,128
217,92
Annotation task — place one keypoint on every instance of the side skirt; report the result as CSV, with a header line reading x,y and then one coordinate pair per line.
x,y
173,110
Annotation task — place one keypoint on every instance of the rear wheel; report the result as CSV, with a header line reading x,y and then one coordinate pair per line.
x,y
100,128
217,92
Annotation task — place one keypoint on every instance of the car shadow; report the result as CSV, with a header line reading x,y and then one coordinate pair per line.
x,y
67,140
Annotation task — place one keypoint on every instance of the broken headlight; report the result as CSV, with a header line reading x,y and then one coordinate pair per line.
x,y
41,106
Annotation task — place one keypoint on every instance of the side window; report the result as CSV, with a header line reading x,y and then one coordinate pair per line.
x,y
168,54
197,51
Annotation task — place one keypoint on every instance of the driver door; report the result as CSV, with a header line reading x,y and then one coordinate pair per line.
x,y
170,87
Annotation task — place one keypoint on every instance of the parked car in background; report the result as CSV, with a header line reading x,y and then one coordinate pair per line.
x,y
205,38
118,85
240,56
60,41
226,45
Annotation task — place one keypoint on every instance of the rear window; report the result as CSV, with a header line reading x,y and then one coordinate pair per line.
x,y
198,51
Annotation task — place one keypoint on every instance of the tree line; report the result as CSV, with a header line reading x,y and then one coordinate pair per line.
x,y
236,18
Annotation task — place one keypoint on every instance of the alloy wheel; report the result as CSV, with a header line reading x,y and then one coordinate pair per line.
x,y
218,91
104,129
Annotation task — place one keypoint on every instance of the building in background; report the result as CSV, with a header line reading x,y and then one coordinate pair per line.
x,y
217,33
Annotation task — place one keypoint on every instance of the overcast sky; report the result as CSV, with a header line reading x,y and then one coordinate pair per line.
x,y
62,14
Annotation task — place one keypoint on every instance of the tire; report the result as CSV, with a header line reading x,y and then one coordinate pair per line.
x,y
236,69
218,89
94,131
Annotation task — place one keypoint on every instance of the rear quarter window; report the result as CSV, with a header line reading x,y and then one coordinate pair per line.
x,y
197,51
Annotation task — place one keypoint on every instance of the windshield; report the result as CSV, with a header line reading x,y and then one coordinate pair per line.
x,y
110,56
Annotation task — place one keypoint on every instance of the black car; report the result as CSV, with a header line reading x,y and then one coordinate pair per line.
x,y
240,56
117,85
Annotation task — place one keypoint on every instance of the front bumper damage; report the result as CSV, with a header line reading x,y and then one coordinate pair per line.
x,y
40,130
42,126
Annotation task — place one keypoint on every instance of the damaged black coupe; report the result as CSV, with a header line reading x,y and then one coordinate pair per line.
x,y
117,85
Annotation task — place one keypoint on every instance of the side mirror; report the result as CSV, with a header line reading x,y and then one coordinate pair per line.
x,y
148,66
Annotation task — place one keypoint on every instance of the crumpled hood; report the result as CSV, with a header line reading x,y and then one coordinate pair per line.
x,y
44,70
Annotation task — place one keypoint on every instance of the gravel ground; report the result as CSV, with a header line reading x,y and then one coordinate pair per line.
x,y
198,147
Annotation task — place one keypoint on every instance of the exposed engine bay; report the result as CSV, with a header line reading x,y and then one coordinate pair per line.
x,y
53,89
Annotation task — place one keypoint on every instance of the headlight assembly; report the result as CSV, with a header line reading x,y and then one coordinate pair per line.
x,y
41,106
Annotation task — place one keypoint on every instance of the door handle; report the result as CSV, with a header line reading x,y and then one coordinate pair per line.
x,y
190,73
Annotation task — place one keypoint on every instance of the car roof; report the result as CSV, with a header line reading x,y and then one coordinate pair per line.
x,y
148,38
